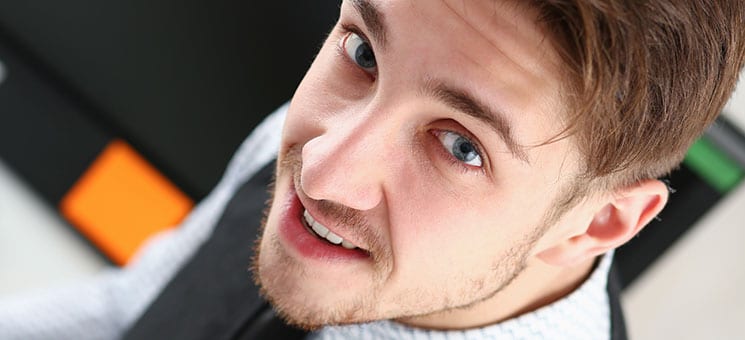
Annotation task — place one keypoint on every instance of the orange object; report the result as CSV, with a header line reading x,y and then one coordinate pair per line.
x,y
121,200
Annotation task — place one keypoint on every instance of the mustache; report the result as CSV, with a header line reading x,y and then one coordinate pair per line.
x,y
349,220
342,215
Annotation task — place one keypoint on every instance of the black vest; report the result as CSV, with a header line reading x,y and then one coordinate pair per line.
x,y
214,296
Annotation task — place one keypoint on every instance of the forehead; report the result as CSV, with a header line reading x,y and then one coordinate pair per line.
x,y
508,31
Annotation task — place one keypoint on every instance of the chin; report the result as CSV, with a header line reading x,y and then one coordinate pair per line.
x,y
300,296
304,302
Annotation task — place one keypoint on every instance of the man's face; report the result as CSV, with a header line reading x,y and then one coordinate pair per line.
x,y
409,138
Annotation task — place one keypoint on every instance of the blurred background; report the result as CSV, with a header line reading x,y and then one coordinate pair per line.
x,y
122,114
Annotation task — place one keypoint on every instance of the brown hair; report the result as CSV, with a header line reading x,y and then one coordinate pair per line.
x,y
646,78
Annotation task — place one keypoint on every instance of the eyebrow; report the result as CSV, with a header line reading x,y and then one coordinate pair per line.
x,y
462,101
374,20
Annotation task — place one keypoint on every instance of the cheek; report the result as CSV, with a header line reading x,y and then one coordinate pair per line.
x,y
435,233
439,230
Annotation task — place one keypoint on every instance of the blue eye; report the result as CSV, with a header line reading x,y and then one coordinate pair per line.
x,y
359,51
460,147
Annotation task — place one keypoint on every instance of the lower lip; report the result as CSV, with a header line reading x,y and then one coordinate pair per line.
x,y
294,233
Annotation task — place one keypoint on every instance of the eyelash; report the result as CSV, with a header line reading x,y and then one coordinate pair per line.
x,y
346,30
463,167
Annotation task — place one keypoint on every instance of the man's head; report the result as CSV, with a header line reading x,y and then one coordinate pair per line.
x,y
479,154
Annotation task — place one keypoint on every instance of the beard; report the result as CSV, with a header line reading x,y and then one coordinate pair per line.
x,y
282,279
278,280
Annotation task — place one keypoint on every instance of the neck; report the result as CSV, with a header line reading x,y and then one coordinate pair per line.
x,y
536,286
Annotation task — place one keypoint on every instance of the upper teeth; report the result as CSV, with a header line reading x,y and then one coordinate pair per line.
x,y
324,232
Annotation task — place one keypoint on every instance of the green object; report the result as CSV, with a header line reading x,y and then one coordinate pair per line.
x,y
714,166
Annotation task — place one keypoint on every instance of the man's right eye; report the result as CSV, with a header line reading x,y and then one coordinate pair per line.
x,y
360,52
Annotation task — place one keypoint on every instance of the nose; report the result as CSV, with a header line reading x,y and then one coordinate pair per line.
x,y
346,165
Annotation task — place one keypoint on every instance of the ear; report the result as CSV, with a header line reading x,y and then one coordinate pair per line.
x,y
623,216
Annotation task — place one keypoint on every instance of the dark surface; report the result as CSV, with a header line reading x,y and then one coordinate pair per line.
x,y
182,81
44,134
617,319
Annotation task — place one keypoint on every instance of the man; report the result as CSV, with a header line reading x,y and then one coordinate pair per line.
x,y
429,137
464,169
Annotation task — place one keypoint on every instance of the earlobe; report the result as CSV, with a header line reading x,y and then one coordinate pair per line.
x,y
615,223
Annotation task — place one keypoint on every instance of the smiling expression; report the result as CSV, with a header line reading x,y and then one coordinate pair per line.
x,y
408,143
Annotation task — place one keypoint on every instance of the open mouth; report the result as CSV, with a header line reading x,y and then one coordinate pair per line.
x,y
312,239
322,232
